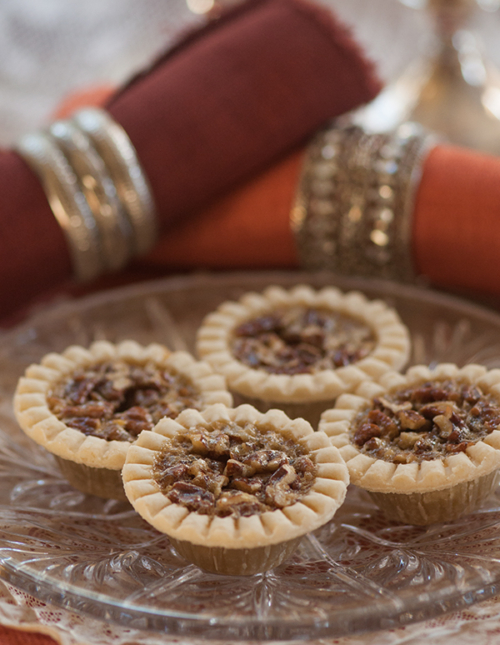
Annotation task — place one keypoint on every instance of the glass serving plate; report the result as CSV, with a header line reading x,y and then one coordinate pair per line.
x,y
359,572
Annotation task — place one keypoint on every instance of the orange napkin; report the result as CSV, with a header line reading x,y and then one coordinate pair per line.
x,y
456,221
456,224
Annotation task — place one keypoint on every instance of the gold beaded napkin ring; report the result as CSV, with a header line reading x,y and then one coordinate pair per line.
x,y
96,189
352,213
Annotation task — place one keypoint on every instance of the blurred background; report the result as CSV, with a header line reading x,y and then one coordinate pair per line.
x,y
49,48
52,48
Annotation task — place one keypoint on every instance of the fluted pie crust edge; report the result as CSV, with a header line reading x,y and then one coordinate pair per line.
x,y
313,510
40,423
215,336
379,476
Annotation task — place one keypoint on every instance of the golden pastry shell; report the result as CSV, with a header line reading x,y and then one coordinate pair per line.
x,y
314,509
377,475
38,422
216,332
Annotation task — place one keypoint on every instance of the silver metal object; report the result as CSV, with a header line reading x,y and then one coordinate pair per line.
x,y
96,188
99,191
452,89
67,201
132,187
353,208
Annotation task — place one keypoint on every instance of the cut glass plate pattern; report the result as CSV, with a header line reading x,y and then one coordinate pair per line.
x,y
357,573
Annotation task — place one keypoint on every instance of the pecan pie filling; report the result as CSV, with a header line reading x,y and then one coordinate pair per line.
x,y
117,400
431,421
301,340
234,470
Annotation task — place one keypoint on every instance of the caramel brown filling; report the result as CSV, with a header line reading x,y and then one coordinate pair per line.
x,y
302,340
435,419
235,470
116,400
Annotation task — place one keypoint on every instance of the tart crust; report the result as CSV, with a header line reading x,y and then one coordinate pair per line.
x,y
439,489
238,545
91,463
304,394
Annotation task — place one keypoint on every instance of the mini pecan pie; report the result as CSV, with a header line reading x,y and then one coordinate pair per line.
x,y
87,405
426,445
299,349
233,488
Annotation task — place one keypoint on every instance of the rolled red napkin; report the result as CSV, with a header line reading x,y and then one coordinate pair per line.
x,y
224,103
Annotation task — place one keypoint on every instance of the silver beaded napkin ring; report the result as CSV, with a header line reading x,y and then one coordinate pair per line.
x,y
353,208
96,189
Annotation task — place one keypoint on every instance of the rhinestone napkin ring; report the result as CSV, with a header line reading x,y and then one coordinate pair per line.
x,y
352,213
